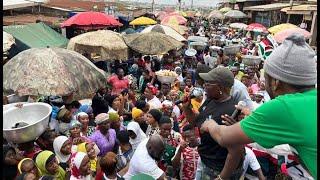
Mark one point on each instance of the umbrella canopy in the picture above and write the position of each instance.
(151, 43)
(52, 71)
(281, 27)
(8, 41)
(198, 39)
(165, 30)
(107, 44)
(128, 31)
(225, 9)
(282, 35)
(174, 19)
(143, 21)
(179, 28)
(191, 13)
(216, 14)
(87, 19)
(256, 27)
(238, 25)
(235, 14)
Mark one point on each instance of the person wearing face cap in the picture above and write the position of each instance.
(104, 136)
(291, 116)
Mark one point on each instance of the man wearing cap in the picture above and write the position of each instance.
(104, 137)
(215, 161)
(291, 116)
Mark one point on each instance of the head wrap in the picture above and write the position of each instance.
(93, 162)
(76, 160)
(153, 89)
(41, 161)
(80, 114)
(136, 113)
(135, 127)
(20, 164)
(86, 108)
(62, 113)
(114, 116)
(74, 123)
(100, 118)
(57, 145)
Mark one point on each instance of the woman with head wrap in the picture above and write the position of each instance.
(27, 165)
(138, 116)
(62, 148)
(88, 109)
(64, 117)
(47, 163)
(136, 134)
(75, 134)
(83, 118)
(150, 94)
(116, 122)
(90, 150)
(80, 166)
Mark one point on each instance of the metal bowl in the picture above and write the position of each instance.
(11, 105)
(35, 115)
(232, 49)
(250, 60)
(166, 79)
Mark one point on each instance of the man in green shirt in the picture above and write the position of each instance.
(291, 117)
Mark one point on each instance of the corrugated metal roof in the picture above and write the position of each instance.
(14, 4)
(267, 7)
(305, 7)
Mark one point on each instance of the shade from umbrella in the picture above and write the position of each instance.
(91, 19)
(281, 27)
(52, 71)
(8, 41)
(179, 28)
(282, 35)
(235, 14)
(165, 30)
(151, 43)
(107, 44)
(174, 19)
(216, 14)
(143, 21)
(256, 27)
(225, 9)
(238, 25)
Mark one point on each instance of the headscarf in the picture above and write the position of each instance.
(57, 145)
(135, 127)
(153, 89)
(113, 116)
(80, 114)
(20, 164)
(100, 118)
(76, 160)
(62, 113)
(93, 162)
(86, 108)
(41, 161)
(74, 123)
(136, 112)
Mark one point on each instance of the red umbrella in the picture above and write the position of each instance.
(282, 35)
(91, 19)
(256, 27)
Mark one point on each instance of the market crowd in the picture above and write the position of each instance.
(138, 127)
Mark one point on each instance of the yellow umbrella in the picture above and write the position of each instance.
(281, 27)
(225, 9)
(143, 21)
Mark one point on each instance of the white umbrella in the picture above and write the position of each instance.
(8, 41)
(235, 14)
(164, 30)
(238, 25)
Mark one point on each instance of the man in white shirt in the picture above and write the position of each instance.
(144, 159)
(251, 160)
(208, 59)
(152, 100)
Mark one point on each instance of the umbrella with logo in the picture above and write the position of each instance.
(52, 71)
(109, 45)
(256, 27)
(91, 20)
(165, 30)
(143, 21)
(151, 43)
(281, 27)
(235, 14)
(282, 35)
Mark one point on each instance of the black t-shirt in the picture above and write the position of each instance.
(211, 153)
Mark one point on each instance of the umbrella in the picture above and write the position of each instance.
(164, 30)
(91, 19)
(107, 44)
(160, 15)
(235, 14)
(281, 27)
(190, 13)
(216, 14)
(128, 31)
(143, 21)
(151, 43)
(52, 71)
(225, 9)
(179, 28)
(238, 25)
(256, 27)
(174, 19)
(282, 35)
(198, 14)
(8, 41)
(197, 39)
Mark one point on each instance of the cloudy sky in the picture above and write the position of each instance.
(210, 3)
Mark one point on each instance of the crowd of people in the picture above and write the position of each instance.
(138, 127)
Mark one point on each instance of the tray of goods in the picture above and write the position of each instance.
(166, 76)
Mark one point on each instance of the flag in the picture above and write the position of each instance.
(266, 46)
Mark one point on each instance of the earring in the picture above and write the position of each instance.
(220, 92)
